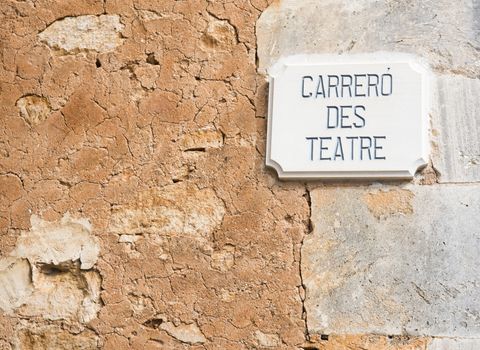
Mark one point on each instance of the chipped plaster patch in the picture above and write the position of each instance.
(220, 34)
(267, 340)
(83, 33)
(224, 259)
(58, 242)
(45, 276)
(179, 209)
(34, 109)
(202, 139)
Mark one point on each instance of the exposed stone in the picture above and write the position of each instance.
(179, 209)
(219, 35)
(61, 293)
(58, 242)
(128, 239)
(413, 274)
(267, 340)
(294, 27)
(187, 333)
(15, 283)
(44, 275)
(73, 34)
(34, 109)
(31, 337)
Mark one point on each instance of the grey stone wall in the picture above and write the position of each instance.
(396, 258)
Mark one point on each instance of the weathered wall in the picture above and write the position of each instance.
(395, 258)
(136, 211)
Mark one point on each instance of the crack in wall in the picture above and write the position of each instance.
(303, 291)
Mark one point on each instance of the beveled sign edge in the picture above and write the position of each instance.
(417, 63)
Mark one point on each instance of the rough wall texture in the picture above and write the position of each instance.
(393, 261)
(135, 208)
(398, 258)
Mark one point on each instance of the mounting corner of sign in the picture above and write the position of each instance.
(276, 166)
(277, 69)
(420, 64)
(419, 164)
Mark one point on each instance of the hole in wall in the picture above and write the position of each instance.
(53, 270)
(196, 149)
(153, 323)
(152, 60)
(98, 63)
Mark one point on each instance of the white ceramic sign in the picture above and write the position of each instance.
(358, 116)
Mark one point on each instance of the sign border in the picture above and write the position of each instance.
(415, 62)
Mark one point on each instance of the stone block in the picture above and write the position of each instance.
(389, 260)
(456, 123)
(443, 34)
